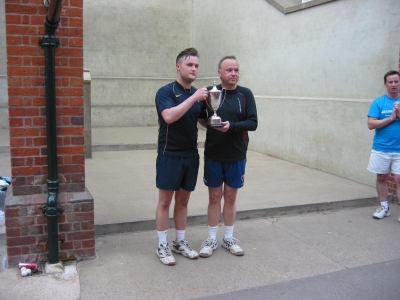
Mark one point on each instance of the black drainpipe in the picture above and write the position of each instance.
(49, 43)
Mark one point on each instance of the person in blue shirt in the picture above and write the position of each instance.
(179, 106)
(384, 118)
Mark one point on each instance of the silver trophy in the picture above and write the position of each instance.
(214, 97)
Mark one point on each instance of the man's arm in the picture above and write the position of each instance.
(374, 123)
(173, 114)
(250, 123)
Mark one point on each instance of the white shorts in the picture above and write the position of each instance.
(384, 162)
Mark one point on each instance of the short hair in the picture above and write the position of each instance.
(389, 73)
(187, 52)
(224, 58)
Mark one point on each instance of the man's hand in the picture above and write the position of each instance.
(396, 109)
(224, 128)
(200, 94)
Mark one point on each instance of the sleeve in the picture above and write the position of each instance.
(164, 99)
(250, 121)
(374, 110)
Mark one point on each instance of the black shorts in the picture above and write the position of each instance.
(173, 173)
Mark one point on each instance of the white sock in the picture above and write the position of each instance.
(162, 237)
(228, 232)
(212, 232)
(180, 235)
(385, 204)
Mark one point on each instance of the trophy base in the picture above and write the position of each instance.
(214, 122)
(215, 125)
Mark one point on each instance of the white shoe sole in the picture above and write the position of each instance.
(234, 253)
(171, 263)
(386, 215)
(185, 254)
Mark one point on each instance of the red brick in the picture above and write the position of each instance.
(76, 22)
(20, 221)
(35, 230)
(23, 91)
(21, 9)
(88, 225)
(82, 235)
(17, 132)
(75, 42)
(67, 246)
(13, 231)
(73, 11)
(13, 19)
(84, 216)
(77, 3)
(19, 241)
(13, 251)
(88, 244)
(24, 111)
(21, 50)
(24, 151)
(21, 29)
(14, 40)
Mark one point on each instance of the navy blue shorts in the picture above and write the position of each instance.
(216, 173)
(174, 173)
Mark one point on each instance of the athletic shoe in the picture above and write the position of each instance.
(381, 212)
(183, 248)
(165, 255)
(208, 247)
(232, 246)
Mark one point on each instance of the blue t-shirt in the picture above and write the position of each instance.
(178, 138)
(386, 139)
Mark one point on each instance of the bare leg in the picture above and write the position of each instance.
(397, 180)
(180, 209)
(214, 205)
(162, 210)
(230, 194)
(382, 187)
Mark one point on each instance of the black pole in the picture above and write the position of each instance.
(49, 42)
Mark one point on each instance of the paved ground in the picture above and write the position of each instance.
(307, 235)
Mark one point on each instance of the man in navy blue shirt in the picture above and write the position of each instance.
(225, 155)
(179, 106)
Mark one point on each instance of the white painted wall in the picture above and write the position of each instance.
(314, 72)
(130, 49)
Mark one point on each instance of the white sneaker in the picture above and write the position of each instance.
(165, 255)
(381, 212)
(232, 246)
(208, 247)
(183, 248)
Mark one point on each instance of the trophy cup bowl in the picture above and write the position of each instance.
(214, 96)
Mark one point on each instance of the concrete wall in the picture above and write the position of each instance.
(314, 73)
(130, 49)
(3, 70)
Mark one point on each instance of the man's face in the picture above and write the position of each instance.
(392, 84)
(187, 68)
(229, 73)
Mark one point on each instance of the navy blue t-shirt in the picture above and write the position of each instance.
(180, 137)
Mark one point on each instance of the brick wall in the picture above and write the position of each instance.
(25, 222)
